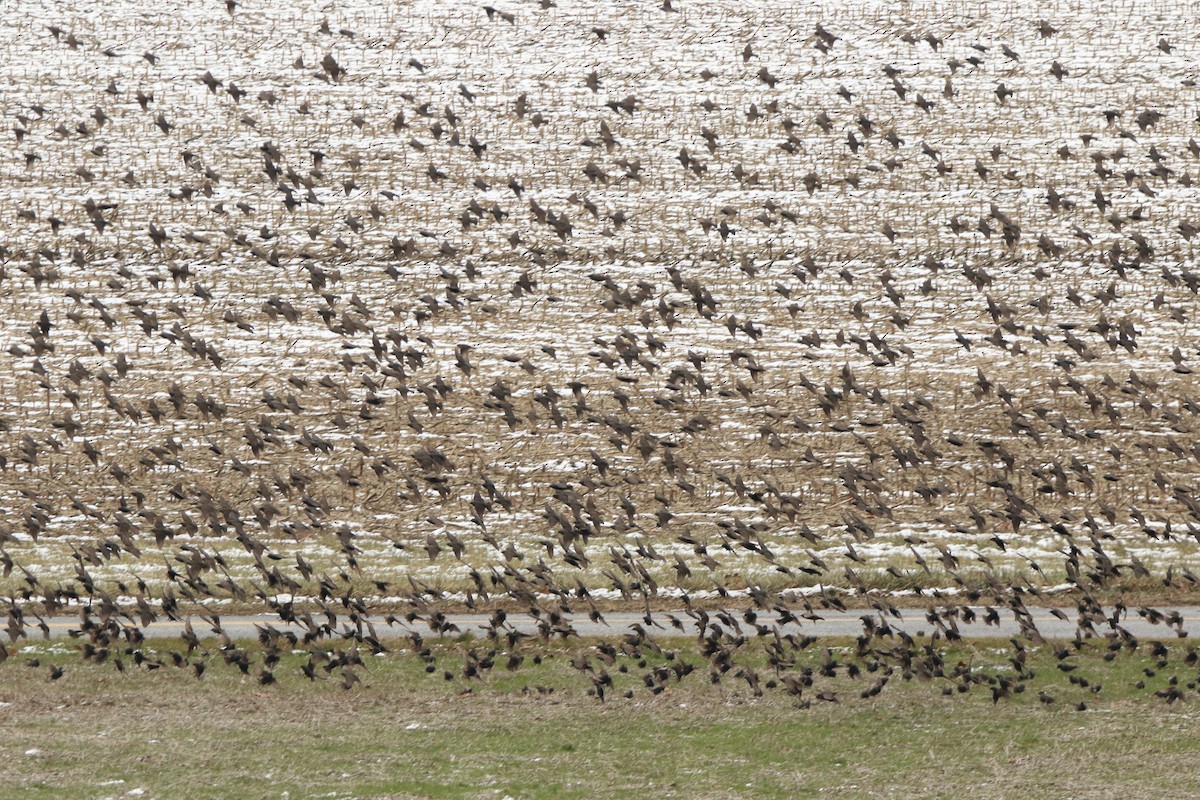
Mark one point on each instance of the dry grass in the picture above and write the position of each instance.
(404, 733)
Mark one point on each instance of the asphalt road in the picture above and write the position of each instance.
(830, 623)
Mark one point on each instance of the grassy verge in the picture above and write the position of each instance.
(537, 732)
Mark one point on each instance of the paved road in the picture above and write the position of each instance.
(832, 623)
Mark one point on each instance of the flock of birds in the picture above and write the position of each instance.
(529, 308)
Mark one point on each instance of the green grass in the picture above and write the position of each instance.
(406, 733)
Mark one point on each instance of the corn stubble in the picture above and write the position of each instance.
(531, 307)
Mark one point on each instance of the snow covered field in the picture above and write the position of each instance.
(727, 295)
